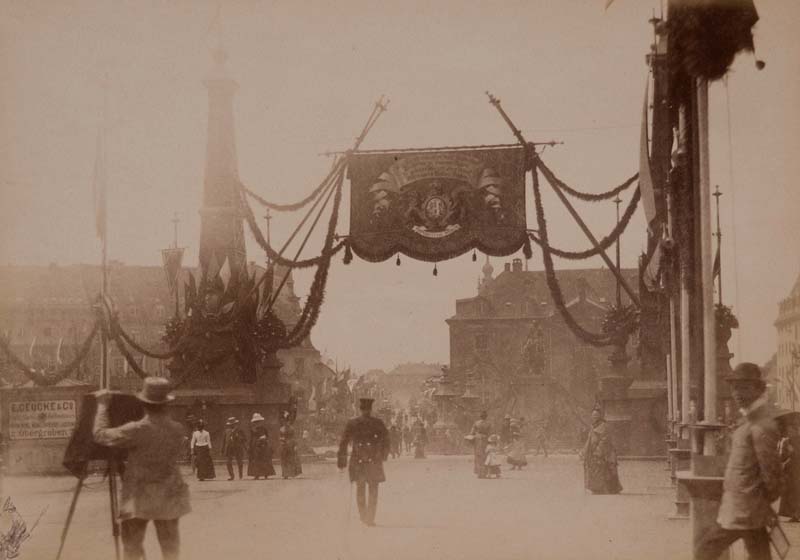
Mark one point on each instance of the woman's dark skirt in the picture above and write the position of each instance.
(203, 462)
(290, 461)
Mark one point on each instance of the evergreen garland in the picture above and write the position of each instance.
(45, 378)
(552, 282)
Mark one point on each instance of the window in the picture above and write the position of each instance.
(48, 331)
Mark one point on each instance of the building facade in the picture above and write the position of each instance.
(788, 355)
(45, 312)
(511, 352)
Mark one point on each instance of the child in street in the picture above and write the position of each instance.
(492, 457)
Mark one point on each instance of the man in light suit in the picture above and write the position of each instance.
(753, 477)
(152, 486)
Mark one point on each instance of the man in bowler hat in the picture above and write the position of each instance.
(752, 476)
(233, 446)
(152, 485)
(370, 441)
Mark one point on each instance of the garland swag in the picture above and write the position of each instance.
(589, 337)
(604, 243)
(587, 197)
(50, 377)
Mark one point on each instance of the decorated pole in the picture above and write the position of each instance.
(718, 258)
(706, 260)
(617, 202)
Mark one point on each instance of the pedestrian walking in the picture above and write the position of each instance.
(201, 451)
(152, 486)
(752, 476)
(541, 440)
(492, 457)
(600, 459)
(233, 446)
(505, 430)
(407, 438)
(516, 456)
(789, 452)
(479, 435)
(259, 456)
(290, 458)
(370, 448)
(395, 440)
(420, 440)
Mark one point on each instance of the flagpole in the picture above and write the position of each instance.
(105, 380)
(718, 235)
(175, 222)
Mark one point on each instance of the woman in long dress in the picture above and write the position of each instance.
(290, 460)
(600, 459)
(201, 450)
(259, 457)
(480, 439)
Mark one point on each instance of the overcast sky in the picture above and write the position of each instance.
(308, 75)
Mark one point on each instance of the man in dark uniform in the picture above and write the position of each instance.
(370, 440)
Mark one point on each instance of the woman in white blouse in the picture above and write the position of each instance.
(201, 452)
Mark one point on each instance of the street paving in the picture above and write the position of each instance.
(429, 509)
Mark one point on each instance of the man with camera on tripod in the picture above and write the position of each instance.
(152, 485)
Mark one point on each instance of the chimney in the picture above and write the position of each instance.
(507, 267)
(517, 265)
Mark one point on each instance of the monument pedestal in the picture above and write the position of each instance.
(704, 480)
(617, 409)
(269, 396)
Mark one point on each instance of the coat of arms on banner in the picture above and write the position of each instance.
(437, 204)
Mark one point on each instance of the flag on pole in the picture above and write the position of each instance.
(645, 176)
(717, 264)
(58, 350)
(312, 402)
(99, 186)
(225, 274)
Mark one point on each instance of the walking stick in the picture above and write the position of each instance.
(70, 513)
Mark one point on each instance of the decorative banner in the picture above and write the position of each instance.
(437, 204)
(172, 259)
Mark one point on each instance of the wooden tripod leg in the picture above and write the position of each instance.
(112, 491)
(70, 513)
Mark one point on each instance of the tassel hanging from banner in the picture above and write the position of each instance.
(435, 270)
(397, 262)
(474, 255)
(348, 254)
(526, 249)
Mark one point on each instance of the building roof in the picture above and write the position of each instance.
(420, 369)
(515, 287)
(133, 288)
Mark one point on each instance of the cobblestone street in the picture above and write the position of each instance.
(429, 509)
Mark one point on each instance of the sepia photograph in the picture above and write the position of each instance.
(413, 280)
